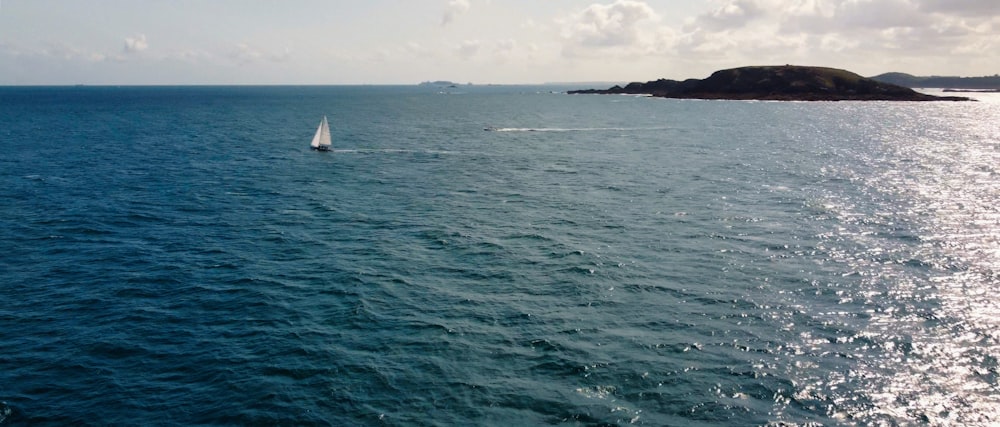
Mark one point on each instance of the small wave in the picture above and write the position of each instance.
(529, 236)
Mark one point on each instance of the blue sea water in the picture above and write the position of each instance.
(178, 256)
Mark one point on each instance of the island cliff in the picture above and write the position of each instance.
(777, 83)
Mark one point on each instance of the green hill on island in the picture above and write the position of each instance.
(777, 83)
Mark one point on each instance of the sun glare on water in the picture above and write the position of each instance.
(931, 263)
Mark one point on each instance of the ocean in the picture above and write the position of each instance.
(179, 256)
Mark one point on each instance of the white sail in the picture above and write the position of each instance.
(322, 137)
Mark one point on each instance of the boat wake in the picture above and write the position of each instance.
(389, 150)
(609, 129)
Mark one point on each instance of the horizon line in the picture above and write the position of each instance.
(296, 84)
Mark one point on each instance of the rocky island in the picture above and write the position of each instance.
(776, 83)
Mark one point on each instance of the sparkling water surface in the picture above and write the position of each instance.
(178, 256)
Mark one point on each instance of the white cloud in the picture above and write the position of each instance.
(837, 43)
(846, 33)
(468, 49)
(405, 52)
(851, 15)
(455, 8)
(191, 56)
(731, 14)
(244, 53)
(136, 44)
(624, 24)
(506, 46)
(961, 7)
(897, 28)
(505, 50)
(504, 41)
(284, 56)
(415, 49)
(70, 53)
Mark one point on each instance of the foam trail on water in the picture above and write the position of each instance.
(613, 129)
(387, 150)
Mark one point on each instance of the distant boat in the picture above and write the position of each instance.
(491, 128)
(321, 141)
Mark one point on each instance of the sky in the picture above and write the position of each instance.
(136, 42)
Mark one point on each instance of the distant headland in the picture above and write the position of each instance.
(443, 83)
(984, 83)
(776, 83)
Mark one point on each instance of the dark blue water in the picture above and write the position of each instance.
(178, 256)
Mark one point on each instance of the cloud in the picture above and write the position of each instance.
(505, 47)
(191, 56)
(961, 7)
(505, 50)
(872, 34)
(284, 56)
(455, 8)
(851, 15)
(136, 44)
(731, 14)
(245, 54)
(625, 25)
(414, 49)
(866, 33)
(468, 49)
(896, 28)
(61, 51)
(615, 24)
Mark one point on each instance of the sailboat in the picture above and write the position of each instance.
(321, 141)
